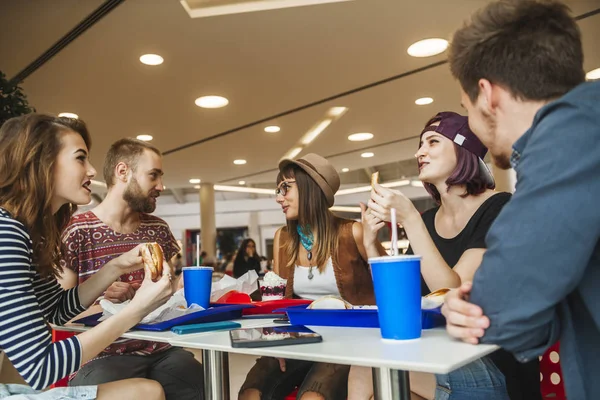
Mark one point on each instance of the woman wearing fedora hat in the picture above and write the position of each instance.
(319, 255)
(451, 240)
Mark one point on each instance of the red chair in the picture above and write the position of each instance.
(551, 382)
(57, 336)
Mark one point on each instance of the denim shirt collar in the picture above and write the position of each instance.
(521, 143)
(519, 147)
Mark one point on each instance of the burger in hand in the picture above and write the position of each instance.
(152, 255)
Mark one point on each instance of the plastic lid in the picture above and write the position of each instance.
(201, 267)
(388, 259)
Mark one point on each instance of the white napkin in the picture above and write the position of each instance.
(245, 284)
(175, 307)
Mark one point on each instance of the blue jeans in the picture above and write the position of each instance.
(478, 380)
(24, 392)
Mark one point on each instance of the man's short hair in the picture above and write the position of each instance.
(530, 47)
(126, 150)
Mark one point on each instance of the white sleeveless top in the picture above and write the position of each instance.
(322, 283)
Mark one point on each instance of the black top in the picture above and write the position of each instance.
(243, 265)
(522, 380)
(471, 237)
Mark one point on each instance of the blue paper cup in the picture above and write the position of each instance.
(197, 282)
(397, 282)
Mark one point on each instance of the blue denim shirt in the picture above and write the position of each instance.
(539, 281)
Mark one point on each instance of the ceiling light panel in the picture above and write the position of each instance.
(151, 59)
(68, 115)
(428, 47)
(423, 101)
(593, 75)
(360, 137)
(211, 101)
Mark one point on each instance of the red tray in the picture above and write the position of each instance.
(267, 307)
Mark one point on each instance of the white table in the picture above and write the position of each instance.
(434, 352)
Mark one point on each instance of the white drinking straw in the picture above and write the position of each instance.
(198, 250)
(394, 233)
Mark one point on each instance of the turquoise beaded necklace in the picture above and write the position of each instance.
(307, 239)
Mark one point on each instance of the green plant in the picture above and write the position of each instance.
(13, 101)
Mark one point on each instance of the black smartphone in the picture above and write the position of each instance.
(273, 336)
(259, 316)
(282, 320)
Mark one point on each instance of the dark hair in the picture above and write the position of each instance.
(531, 47)
(29, 146)
(313, 210)
(242, 262)
(125, 150)
(466, 173)
(241, 253)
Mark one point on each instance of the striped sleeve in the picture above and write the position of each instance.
(24, 333)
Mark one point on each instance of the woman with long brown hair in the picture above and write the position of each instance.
(319, 254)
(44, 174)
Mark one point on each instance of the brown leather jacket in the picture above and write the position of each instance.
(352, 273)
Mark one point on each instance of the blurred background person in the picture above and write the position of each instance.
(247, 259)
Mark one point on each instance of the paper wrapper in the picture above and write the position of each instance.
(175, 307)
(244, 284)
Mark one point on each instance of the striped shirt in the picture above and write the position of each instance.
(90, 244)
(27, 303)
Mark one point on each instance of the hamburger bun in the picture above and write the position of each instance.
(330, 303)
(152, 255)
(434, 299)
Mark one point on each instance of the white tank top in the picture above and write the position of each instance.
(322, 283)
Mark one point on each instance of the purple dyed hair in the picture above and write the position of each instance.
(465, 173)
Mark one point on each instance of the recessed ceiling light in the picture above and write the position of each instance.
(272, 129)
(239, 162)
(359, 137)
(428, 47)
(423, 101)
(211, 101)
(337, 111)
(197, 187)
(151, 59)
(242, 182)
(345, 169)
(593, 74)
(315, 131)
(293, 153)
(145, 138)
(367, 155)
(68, 115)
(195, 180)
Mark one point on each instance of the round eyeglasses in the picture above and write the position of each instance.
(283, 188)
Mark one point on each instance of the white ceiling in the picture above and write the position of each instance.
(264, 62)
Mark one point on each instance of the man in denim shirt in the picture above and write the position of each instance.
(520, 66)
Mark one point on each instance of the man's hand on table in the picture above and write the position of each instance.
(119, 292)
(464, 320)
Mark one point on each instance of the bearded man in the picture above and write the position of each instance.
(133, 174)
